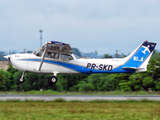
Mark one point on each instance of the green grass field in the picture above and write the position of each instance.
(50, 92)
(78, 110)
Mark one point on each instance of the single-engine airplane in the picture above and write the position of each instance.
(57, 58)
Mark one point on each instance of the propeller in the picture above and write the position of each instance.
(9, 58)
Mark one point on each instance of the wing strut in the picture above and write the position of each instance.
(43, 55)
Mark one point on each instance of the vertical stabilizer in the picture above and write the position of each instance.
(139, 58)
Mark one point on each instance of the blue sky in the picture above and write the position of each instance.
(102, 25)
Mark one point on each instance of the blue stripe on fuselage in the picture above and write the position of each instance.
(83, 69)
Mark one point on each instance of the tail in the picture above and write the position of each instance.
(140, 57)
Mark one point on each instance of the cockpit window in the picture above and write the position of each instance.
(66, 57)
(38, 52)
(52, 55)
(77, 57)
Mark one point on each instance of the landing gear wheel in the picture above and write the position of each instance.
(21, 79)
(52, 80)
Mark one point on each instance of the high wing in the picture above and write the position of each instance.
(54, 46)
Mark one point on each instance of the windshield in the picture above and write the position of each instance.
(38, 52)
(77, 57)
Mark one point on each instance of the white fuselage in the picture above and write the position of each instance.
(31, 62)
(57, 58)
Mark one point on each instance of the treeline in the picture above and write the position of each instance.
(149, 80)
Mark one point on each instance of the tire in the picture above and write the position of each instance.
(52, 80)
(21, 80)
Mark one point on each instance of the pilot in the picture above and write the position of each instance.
(49, 55)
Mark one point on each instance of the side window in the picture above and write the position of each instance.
(52, 55)
(55, 56)
(66, 57)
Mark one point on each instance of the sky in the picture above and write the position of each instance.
(89, 25)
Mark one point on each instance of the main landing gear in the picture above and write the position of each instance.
(52, 80)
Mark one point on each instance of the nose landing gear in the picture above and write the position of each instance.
(21, 79)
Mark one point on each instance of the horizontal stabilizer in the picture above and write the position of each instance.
(130, 68)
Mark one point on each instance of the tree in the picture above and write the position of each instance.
(107, 56)
(77, 52)
(2, 82)
(69, 82)
(1, 56)
(85, 86)
(101, 82)
(156, 55)
(122, 55)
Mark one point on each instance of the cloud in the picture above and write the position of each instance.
(99, 25)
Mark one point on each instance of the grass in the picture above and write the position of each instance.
(80, 110)
(50, 92)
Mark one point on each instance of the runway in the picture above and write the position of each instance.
(78, 97)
